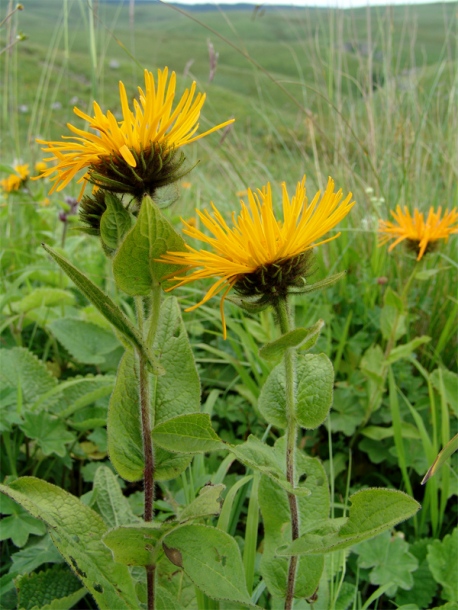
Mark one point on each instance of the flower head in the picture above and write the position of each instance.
(421, 236)
(137, 154)
(260, 255)
(14, 181)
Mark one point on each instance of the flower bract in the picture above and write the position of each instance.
(259, 255)
(136, 154)
(421, 234)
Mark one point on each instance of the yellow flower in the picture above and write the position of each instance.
(45, 202)
(260, 255)
(40, 167)
(420, 235)
(134, 154)
(22, 170)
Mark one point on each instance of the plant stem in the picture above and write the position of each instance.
(291, 438)
(148, 452)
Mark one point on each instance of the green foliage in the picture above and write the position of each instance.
(85, 341)
(187, 434)
(114, 223)
(135, 265)
(389, 560)
(54, 589)
(442, 559)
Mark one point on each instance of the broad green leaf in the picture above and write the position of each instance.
(135, 267)
(133, 545)
(315, 377)
(112, 505)
(191, 433)
(378, 433)
(164, 601)
(404, 351)
(426, 274)
(169, 465)
(372, 363)
(390, 560)
(177, 391)
(372, 512)
(442, 560)
(115, 222)
(268, 460)
(125, 444)
(448, 450)
(104, 304)
(85, 341)
(21, 370)
(19, 525)
(424, 587)
(211, 559)
(392, 322)
(34, 555)
(77, 532)
(56, 588)
(78, 393)
(392, 299)
(43, 297)
(49, 431)
(275, 512)
(296, 338)
(206, 504)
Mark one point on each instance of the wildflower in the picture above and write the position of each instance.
(421, 236)
(138, 154)
(45, 202)
(40, 167)
(14, 181)
(261, 256)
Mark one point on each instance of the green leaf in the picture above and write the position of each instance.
(49, 431)
(43, 297)
(164, 601)
(56, 588)
(424, 586)
(135, 267)
(390, 560)
(85, 341)
(404, 351)
(211, 559)
(109, 500)
(326, 283)
(19, 368)
(133, 545)
(78, 393)
(191, 433)
(115, 222)
(34, 555)
(77, 532)
(177, 391)
(442, 560)
(299, 337)
(206, 504)
(315, 377)
(19, 525)
(268, 460)
(104, 304)
(372, 364)
(446, 382)
(426, 274)
(169, 465)
(125, 445)
(448, 450)
(392, 321)
(275, 512)
(372, 511)
(314, 392)
(392, 299)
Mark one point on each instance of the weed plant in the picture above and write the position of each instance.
(367, 96)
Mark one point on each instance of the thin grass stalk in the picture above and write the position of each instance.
(251, 534)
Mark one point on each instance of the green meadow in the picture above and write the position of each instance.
(366, 96)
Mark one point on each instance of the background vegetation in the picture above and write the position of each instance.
(367, 96)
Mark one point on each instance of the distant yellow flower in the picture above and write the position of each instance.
(40, 167)
(45, 202)
(134, 155)
(186, 185)
(22, 170)
(420, 235)
(14, 181)
(260, 256)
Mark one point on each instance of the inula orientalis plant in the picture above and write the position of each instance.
(155, 422)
